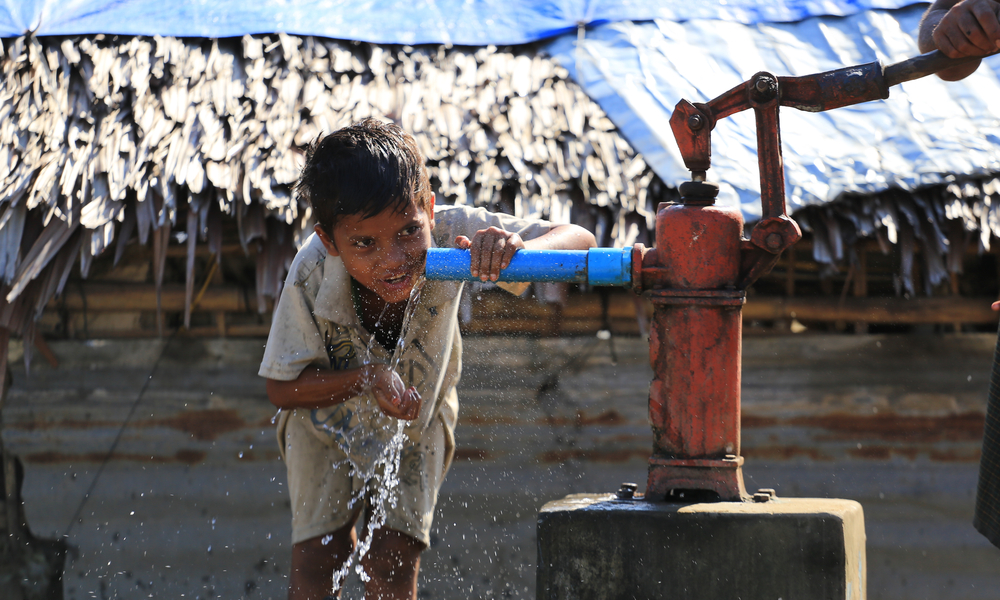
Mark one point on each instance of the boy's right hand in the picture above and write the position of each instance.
(393, 398)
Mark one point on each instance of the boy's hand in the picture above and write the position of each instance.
(491, 251)
(995, 305)
(390, 394)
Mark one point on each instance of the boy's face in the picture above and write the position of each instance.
(384, 253)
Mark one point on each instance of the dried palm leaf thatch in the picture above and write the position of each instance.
(106, 138)
(945, 221)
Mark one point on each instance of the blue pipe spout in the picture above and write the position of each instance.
(597, 266)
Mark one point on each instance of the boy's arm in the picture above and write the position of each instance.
(563, 237)
(492, 248)
(319, 388)
(960, 28)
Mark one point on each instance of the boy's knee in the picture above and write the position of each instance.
(324, 552)
(393, 555)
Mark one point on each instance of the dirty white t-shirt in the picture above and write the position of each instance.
(315, 324)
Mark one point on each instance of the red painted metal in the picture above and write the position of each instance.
(694, 348)
(698, 271)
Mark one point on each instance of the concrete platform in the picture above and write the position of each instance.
(597, 547)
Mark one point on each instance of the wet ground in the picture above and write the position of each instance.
(192, 504)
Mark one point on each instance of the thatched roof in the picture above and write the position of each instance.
(107, 138)
(944, 221)
(110, 139)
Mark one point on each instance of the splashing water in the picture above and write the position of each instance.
(380, 439)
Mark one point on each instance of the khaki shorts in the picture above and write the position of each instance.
(320, 486)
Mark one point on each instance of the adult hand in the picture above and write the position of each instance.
(995, 305)
(491, 250)
(393, 398)
(960, 28)
(969, 28)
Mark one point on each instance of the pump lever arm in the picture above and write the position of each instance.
(861, 83)
(692, 124)
(924, 65)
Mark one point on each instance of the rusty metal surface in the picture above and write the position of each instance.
(694, 399)
(694, 348)
(540, 418)
(813, 398)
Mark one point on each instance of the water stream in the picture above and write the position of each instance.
(374, 450)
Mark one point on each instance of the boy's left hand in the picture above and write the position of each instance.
(491, 251)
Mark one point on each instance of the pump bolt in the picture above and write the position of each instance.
(627, 491)
(774, 241)
(764, 495)
(696, 122)
(765, 88)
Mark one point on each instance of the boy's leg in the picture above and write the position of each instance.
(320, 488)
(314, 562)
(393, 564)
(394, 559)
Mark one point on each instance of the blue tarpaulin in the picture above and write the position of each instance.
(637, 58)
(465, 22)
(925, 132)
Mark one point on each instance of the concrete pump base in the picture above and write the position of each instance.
(594, 546)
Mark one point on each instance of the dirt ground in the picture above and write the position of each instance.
(193, 503)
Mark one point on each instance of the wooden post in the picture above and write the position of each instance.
(790, 272)
(861, 284)
(46, 351)
(641, 319)
(784, 325)
(840, 324)
(12, 503)
(955, 292)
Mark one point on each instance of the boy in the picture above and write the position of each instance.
(349, 284)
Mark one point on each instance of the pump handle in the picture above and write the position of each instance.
(924, 65)
(597, 266)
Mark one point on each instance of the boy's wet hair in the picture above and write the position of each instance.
(362, 170)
